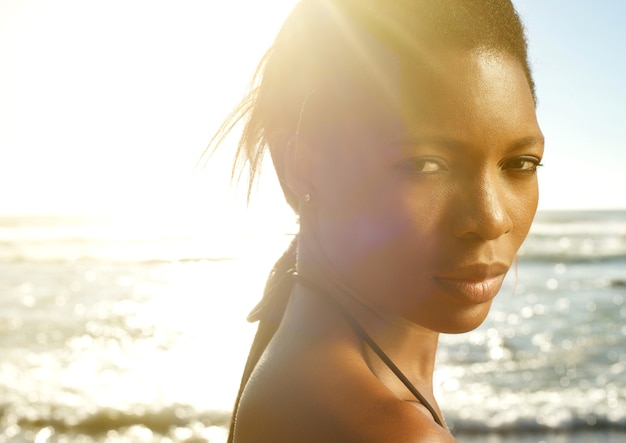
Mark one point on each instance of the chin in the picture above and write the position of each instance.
(471, 320)
(459, 322)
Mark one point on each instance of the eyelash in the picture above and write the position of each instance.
(416, 165)
(534, 161)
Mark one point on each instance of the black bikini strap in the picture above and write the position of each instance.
(358, 329)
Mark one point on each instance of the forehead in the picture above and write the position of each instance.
(458, 87)
(444, 88)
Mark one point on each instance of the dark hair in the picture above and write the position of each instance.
(318, 42)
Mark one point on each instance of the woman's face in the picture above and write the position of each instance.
(421, 212)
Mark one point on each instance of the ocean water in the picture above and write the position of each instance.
(113, 331)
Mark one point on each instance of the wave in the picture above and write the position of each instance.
(59, 241)
(555, 237)
(105, 420)
(18, 259)
(529, 426)
(565, 257)
(560, 245)
(159, 250)
(169, 421)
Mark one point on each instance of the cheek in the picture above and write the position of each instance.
(523, 209)
(354, 230)
(379, 230)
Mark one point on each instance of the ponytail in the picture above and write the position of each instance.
(269, 313)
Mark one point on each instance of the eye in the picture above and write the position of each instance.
(424, 165)
(523, 164)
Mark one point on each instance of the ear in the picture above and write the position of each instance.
(299, 164)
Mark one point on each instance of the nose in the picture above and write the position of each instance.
(482, 209)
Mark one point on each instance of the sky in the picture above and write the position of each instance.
(105, 107)
(578, 52)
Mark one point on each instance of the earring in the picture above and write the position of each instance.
(306, 197)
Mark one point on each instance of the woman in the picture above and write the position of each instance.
(404, 136)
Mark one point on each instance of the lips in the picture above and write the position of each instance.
(476, 284)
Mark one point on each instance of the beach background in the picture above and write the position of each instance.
(113, 332)
(126, 272)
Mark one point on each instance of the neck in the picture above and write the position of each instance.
(418, 358)
(410, 346)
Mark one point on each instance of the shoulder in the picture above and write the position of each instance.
(326, 393)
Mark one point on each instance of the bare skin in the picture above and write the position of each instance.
(314, 385)
(413, 224)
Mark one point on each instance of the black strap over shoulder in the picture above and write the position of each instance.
(358, 329)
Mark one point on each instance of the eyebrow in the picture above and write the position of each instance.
(424, 140)
(452, 143)
(528, 141)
